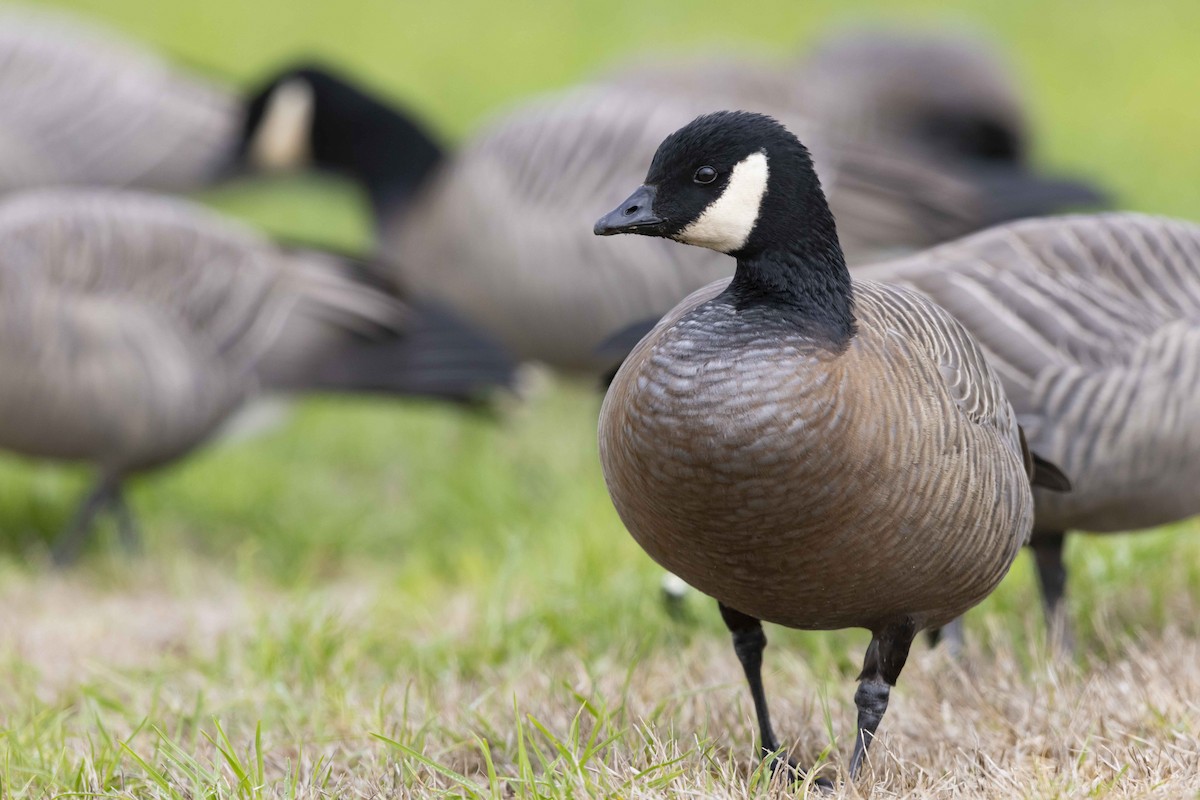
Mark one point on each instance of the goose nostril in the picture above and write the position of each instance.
(630, 210)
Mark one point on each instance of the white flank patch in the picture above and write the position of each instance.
(727, 222)
(674, 587)
(283, 139)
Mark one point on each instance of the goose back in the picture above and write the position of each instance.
(738, 451)
(753, 82)
(1093, 324)
(81, 106)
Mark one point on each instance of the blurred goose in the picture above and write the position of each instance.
(132, 326)
(1093, 324)
(526, 184)
(81, 105)
(809, 450)
(936, 94)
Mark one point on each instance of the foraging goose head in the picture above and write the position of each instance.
(309, 116)
(741, 183)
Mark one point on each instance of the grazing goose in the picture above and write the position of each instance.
(527, 182)
(80, 105)
(310, 116)
(809, 450)
(935, 94)
(1093, 325)
(132, 326)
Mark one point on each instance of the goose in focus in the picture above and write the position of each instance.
(809, 450)
(81, 105)
(132, 326)
(1093, 325)
(527, 183)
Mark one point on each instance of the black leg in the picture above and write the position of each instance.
(933, 637)
(749, 642)
(885, 658)
(127, 528)
(951, 633)
(70, 542)
(1052, 577)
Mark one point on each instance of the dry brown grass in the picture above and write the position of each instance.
(167, 669)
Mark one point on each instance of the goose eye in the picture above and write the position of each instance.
(705, 175)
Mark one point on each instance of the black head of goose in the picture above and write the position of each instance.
(809, 450)
(312, 116)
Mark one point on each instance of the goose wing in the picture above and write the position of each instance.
(1093, 324)
(910, 319)
(105, 380)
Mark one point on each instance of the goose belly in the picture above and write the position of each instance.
(788, 501)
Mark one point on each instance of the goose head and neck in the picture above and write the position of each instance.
(742, 184)
(309, 116)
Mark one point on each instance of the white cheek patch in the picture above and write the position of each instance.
(282, 141)
(727, 222)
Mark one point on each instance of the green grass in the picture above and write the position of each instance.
(399, 598)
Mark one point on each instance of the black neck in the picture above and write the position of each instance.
(390, 156)
(384, 148)
(803, 274)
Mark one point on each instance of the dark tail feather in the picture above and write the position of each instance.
(437, 355)
(1041, 472)
(358, 265)
(1048, 475)
(1013, 193)
(615, 348)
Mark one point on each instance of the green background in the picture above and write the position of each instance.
(508, 518)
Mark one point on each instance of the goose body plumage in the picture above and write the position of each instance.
(133, 324)
(79, 105)
(819, 489)
(1093, 324)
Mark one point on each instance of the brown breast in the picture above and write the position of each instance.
(809, 488)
